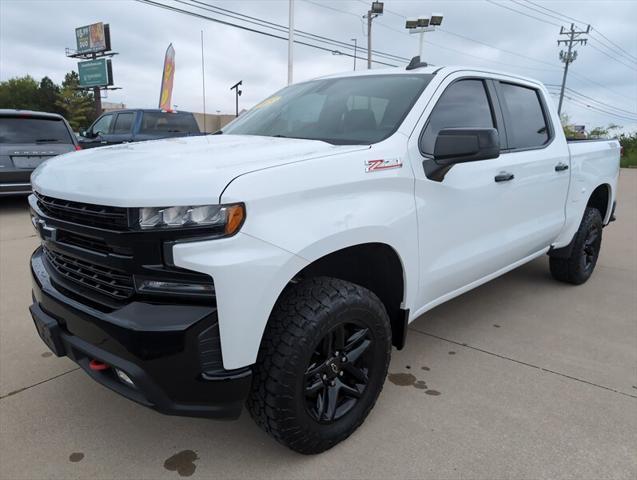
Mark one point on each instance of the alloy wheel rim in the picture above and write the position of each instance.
(591, 248)
(338, 372)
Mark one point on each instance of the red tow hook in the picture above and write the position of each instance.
(98, 366)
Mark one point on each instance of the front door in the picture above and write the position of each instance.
(464, 218)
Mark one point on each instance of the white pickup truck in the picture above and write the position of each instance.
(277, 262)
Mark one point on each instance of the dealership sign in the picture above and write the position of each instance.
(93, 38)
(95, 73)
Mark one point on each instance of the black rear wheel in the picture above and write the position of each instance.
(579, 265)
(322, 364)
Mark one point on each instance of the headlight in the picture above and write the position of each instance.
(228, 218)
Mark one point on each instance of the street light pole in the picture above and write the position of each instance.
(290, 41)
(355, 44)
(376, 10)
(423, 25)
(237, 93)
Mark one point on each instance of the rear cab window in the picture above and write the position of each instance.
(525, 117)
(166, 122)
(18, 129)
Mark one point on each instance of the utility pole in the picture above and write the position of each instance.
(375, 11)
(203, 84)
(570, 55)
(355, 45)
(290, 41)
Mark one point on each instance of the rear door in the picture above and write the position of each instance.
(540, 161)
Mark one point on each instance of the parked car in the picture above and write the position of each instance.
(136, 125)
(27, 139)
(279, 261)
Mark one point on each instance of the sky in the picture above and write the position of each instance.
(518, 36)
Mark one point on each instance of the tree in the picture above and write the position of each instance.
(77, 104)
(47, 96)
(19, 92)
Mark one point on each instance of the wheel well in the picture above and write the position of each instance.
(375, 266)
(600, 199)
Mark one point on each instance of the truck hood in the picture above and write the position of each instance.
(177, 171)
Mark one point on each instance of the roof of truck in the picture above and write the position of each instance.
(429, 69)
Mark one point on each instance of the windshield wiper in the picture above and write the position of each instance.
(47, 140)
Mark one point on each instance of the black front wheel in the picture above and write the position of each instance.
(322, 364)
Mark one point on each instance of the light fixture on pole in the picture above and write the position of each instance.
(237, 94)
(423, 24)
(376, 10)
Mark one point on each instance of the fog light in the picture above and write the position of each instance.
(175, 288)
(123, 376)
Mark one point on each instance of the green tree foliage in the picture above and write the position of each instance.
(20, 92)
(77, 104)
(629, 143)
(47, 96)
(26, 94)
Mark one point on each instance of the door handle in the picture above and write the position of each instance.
(504, 177)
(561, 167)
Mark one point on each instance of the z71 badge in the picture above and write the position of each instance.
(378, 165)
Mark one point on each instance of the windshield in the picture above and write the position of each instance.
(351, 110)
(23, 129)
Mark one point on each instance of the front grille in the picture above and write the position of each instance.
(113, 218)
(107, 281)
(91, 243)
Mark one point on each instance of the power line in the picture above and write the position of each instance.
(242, 27)
(575, 92)
(612, 57)
(281, 28)
(525, 14)
(598, 110)
(595, 31)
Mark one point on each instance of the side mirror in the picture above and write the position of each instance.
(460, 145)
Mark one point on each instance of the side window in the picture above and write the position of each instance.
(124, 123)
(525, 121)
(464, 104)
(103, 125)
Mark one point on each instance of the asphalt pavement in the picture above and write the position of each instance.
(521, 378)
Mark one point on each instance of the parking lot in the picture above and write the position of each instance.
(521, 378)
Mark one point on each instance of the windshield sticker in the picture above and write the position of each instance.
(378, 165)
(268, 101)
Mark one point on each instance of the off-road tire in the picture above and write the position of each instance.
(580, 264)
(305, 314)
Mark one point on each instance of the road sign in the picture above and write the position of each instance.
(95, 73)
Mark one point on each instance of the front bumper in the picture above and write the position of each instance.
(170, 352)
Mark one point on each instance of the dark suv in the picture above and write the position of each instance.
(27, 139)
(137, 125)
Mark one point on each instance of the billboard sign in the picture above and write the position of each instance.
(95, 73)
(166, 93)
(93, 38)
